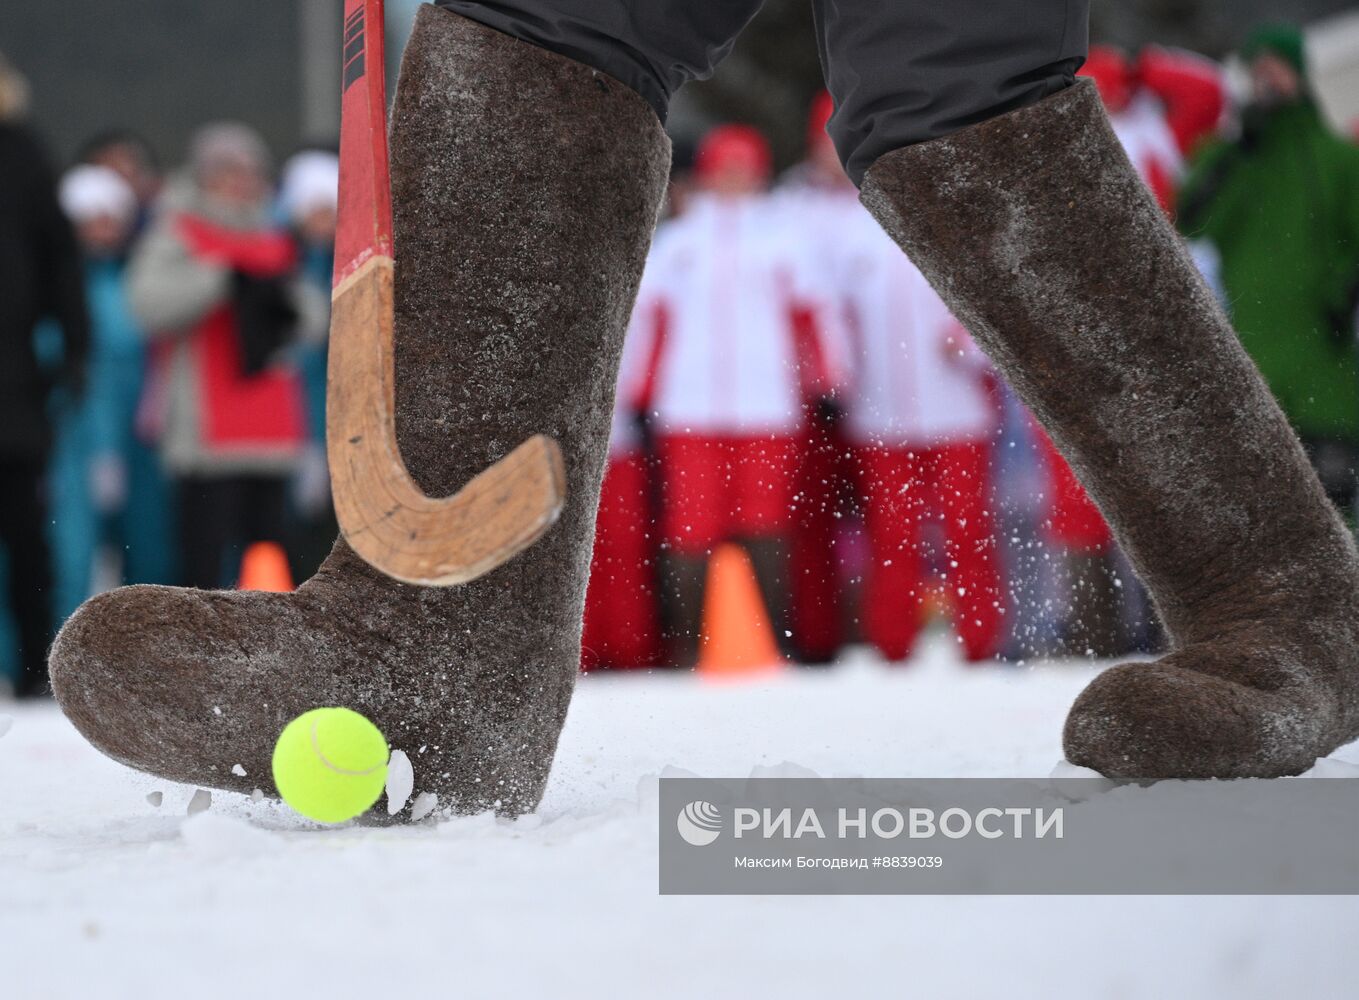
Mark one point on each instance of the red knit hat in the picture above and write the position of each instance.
(1112, 72)
(732, 145)
(817, 117)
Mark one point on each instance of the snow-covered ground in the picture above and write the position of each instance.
(104, 895)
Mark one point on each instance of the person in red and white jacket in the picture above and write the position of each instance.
(1162, 105)
(922, 420)
(215, 286)
(622, 614)
(735, 351)
(817, 203)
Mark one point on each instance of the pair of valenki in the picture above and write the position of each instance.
(524, 209)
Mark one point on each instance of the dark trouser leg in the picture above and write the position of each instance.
(264, 514)
(223, 514)
(769, 560)
(23, 532)
(1094, 625)
(901, 71)
(653, 46)
(147, 521)
(685, 578)
(208, 524)
(904, 71)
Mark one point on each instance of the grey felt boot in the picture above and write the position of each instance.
(525, 187)
(1040, 236)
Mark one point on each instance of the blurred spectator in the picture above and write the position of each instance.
(308, 202)
(216, 287)
(622, 613)
(1092, 618)
(817, 206)
(1031, 565)
(40, 279)
(734, 353)
(1163, 106)
(1281, 204)
(106, 481)
(922, 421)
(132, 157)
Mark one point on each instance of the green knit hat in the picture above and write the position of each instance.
(1283, 40)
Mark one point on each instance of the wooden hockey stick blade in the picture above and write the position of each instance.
(383, 515)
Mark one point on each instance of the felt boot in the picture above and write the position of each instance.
(1039, 235)
(526, 188)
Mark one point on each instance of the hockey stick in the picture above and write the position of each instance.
(383, 514)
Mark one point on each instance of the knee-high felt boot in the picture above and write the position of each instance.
(525, 188)
(1040, 236)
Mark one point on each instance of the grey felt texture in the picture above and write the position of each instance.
(526, 188)
(1039, 235)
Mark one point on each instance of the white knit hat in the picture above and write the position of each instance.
(91, 192)
(311, 181)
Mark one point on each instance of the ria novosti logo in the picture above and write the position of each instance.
(699, 823)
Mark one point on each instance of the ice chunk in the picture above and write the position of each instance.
(200, 803)
(237, 770)
(400, 781)
(155, 798)
(425, 804)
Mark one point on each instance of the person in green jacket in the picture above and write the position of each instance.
(1281, 204)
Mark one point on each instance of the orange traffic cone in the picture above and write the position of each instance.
(737, 636)
(265, 567)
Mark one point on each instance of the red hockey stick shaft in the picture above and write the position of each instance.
(364, 227)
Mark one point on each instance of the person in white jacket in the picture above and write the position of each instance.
(734, 352)
(922, 421)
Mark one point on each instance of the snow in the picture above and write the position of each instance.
(400, 781)
(103, 894)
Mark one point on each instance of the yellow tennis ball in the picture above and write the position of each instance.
(330, 764)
